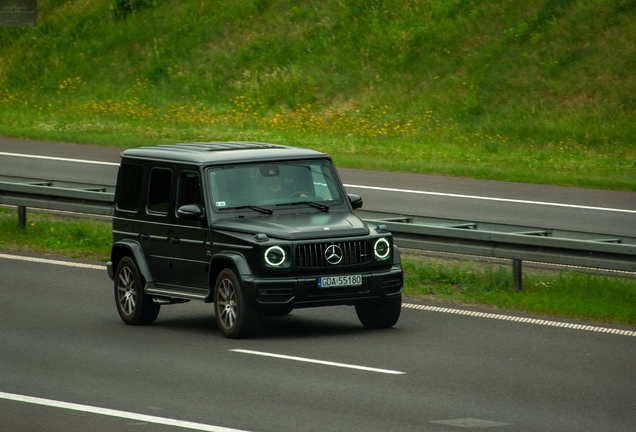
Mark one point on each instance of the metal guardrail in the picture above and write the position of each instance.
(514, 242)
(55, 195)
(517, 243)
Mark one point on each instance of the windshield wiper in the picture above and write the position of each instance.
(321, 207)
(251, 207)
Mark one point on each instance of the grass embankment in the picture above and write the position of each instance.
(536, 91)
(539, 91)
(566, 294)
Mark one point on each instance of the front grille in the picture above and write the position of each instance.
(313, 255)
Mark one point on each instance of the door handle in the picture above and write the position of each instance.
(175, 240)
(145, 236)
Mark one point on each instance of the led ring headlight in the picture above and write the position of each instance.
(275, 256)
(382, 248)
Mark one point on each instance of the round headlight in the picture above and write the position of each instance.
(382, 248)
(275, 256)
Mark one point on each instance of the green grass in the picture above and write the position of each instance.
(565, 294)
(537, 91)
(67, 237)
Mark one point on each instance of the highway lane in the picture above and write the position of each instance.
(569, 208)
(62, 340)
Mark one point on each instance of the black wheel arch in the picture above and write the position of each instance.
(223, 260)
(132, 249)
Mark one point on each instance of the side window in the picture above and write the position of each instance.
(159, 193)
(129, 184)
(189, 189)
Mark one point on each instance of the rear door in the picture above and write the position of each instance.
(155, 227)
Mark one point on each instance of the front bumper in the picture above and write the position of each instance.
(304, 292)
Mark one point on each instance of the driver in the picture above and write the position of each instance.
(276, 188)
(274, 185)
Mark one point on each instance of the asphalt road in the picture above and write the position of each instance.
(565, 208)
(68, 364)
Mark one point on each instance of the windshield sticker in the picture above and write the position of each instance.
(220, 204)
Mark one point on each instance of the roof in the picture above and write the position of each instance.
(216, 152)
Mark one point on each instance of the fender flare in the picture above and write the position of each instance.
(237, 259)
(397, 259)
(223, 260)
(133, 249)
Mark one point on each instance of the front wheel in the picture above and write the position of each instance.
(235, 317)
(135, 307)
(379, 313)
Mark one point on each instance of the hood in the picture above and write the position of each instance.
(294, 226)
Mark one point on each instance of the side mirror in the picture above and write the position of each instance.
(355, 200)
(190, 212)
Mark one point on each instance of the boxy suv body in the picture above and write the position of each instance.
(253, 228)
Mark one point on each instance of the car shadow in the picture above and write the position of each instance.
(300, 326)
(294, 325)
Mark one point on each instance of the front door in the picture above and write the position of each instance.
(189, 239)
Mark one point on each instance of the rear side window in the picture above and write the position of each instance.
(159, 193)
(129, 187)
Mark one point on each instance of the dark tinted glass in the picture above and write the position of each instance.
(159, 193)
(189, 189)
(129, 187)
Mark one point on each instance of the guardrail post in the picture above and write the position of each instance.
(516, 274)
(22, 217)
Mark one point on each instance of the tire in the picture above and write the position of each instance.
(236, 318)
(135, 307)
(379, 313)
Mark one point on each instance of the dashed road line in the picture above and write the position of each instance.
(520, 319)
(321, 362)
(116, 413)
(52, 261)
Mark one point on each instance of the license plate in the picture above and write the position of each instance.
(339, 281)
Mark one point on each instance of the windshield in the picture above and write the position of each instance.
(274, 184)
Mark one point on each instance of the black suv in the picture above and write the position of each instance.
(253, 228)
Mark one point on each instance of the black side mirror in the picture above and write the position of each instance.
(190, 212)
(355, 200)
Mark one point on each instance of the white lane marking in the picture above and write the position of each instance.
(450, 195)
(404, 305)
(59, 159)
(116, 413)
(322, 362)
(54, 262)
(521, 319)
(384, 189)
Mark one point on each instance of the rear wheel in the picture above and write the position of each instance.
(135, 307)
(379, 313)
(235, 317)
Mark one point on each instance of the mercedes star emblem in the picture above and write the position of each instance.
(333, 254)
